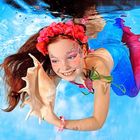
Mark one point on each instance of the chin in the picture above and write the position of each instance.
(68, 78)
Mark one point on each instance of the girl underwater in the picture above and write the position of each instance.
(60, 51)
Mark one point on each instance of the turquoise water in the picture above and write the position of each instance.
(123, 118)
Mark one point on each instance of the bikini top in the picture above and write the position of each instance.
(90, 77)
(93, 74)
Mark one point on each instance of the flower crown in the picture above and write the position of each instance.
(67, 29)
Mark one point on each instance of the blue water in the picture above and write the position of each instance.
(123, 118)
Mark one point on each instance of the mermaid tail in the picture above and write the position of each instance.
(124, 82)
(133, 43)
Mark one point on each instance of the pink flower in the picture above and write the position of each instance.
(89, 84)
(68, 28)
(49, 32)
(84, 20)
(39, 39)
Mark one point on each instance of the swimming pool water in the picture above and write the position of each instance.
(123, 118)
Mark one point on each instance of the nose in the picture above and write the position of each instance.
(65, 65)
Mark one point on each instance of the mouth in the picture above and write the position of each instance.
(68, 73)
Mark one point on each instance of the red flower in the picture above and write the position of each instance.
(68, 28)
(41, 47)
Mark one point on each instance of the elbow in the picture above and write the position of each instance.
(99, 124)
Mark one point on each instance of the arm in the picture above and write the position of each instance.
(101, 105)
(40, 88)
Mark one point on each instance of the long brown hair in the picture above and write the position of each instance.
(15, 67)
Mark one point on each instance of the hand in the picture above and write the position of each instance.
(40, 89)
(49, 115)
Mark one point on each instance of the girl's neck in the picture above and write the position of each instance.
(79, 80)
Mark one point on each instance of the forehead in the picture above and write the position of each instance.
(63, 47)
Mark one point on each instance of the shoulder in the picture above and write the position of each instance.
(101, 60)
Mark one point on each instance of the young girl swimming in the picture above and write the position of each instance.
(60, 51)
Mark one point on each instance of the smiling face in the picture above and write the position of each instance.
(67, 59)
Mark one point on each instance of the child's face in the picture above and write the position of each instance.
(66, 58)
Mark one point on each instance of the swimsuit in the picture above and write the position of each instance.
(122, 73)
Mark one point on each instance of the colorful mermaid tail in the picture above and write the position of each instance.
(133, 43)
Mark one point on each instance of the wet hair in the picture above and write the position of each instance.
(15, 67)
(59, 8)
